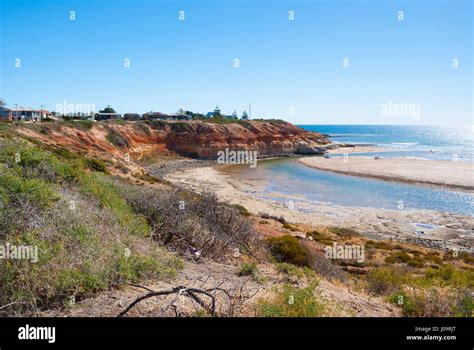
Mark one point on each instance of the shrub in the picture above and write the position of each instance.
(142, 127)
(433, 302)
(290, 270)
(156, 124)
(464, 303)
(324, 267)
(116, 121)
(203, 224)
(464, 256)
(96, 164)
(107, 192)
(449, 276)
(241, 209)
(291, 301)
(319, 237)
(344, 232)
(180, 127)
(248, 269)
(288, 249)
(116, 138)
(433, 257)
(289, 227)
(385, 280)
(379, 245)
(293, 273)
(32, 162)
(403, 257)
(83, 125)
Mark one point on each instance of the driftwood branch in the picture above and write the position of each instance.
(205, 292)
(189, 292)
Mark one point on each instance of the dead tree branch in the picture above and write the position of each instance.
(189, 292)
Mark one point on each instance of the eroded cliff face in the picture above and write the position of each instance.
(205, 140)
(196, 139)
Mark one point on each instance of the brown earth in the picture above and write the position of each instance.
(192, 138)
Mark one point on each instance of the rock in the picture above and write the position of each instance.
(306, 149)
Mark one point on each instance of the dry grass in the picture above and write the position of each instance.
(193, 224)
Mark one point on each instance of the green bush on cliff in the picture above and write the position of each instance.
(288, 249)
(116, 138)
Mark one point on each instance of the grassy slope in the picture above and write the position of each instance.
(88, 237)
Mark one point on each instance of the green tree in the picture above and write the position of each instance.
(217, 112)
(245, 116)
(108, 109)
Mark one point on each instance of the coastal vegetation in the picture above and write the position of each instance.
(88, 238)
(287, 249)
(291, 301)
(98, 228)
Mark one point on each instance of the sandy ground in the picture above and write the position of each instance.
(435, 172)
(451, 231)
(340, 300)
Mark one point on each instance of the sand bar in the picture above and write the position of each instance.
(451, 174)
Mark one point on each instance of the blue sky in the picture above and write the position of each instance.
(289, 69)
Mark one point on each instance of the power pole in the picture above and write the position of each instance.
(41, 113)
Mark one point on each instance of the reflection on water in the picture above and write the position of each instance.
(287, 177)
(423, 141)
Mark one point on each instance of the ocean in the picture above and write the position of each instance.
(431, 142)
(287, 179)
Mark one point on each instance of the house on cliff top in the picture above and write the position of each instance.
(22, 113)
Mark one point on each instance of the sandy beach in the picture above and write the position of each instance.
(434, 172)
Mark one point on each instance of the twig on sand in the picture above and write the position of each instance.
(189, 292)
